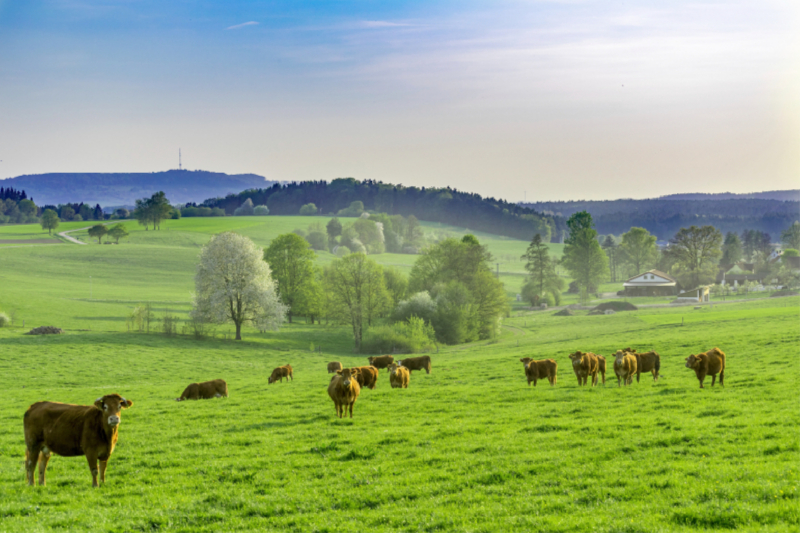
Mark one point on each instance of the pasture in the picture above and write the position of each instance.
(469, 447)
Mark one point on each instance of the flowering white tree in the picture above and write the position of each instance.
(233, 283)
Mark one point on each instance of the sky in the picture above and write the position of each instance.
(536, 100)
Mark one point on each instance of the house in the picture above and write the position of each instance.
(699, 295)
(650, 283)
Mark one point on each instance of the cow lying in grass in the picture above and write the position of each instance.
(624, 367)
(536, 370)
(586, 364)
(334, 366)
(281, 372)
(710, 362)
(216, 388)
(344, 390)
(367, 376)
(417, 363)
(72, 430)
(398, 376)
(381, 361)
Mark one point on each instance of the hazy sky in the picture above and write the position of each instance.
(550, 99)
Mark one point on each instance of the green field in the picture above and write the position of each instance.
(469, 447)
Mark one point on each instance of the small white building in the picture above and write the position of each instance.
(698, 295)
(651, 283)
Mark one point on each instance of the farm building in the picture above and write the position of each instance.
(651, 283)
(699, 295)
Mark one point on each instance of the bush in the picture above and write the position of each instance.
(170, 324)
(261, 210)
(4, 320)
(318, 240)
(341, 251)
(616, 306)
(411, 336)
(420, 305)
(245, 210)
(300, 232)
(308, 210)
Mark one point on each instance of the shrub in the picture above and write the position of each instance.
(245, 210)
(261, 210)
(170, 324)
(300, 232)
(341, 251)
(411, 336)
(420, 305)
(616, 305)
(318, 240)
(4, 320)
(308, 210)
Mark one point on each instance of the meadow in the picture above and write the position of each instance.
(469, 447)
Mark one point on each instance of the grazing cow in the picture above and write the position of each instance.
(417, 363)
(535, 370)
(367, 376)
(381, 361)
(585, 364)
(711, 362)
(216, 388)
(344, 390)
(281, 372)
(334, 366)
(624, 367)
(601, 367)
(398, 376)
(72, 430)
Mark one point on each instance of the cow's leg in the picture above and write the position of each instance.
(351, 408)
(44, 457)
(701, 378)
(721, 378)
(91, 458)
(103, 465)
(618, 381)
(713, 379)
(31, 458)
(637, 376)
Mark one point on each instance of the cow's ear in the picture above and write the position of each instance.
(99, 403)
(127, 403)
(339, 371)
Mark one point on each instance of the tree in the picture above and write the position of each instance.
(396, 283)
(261, 210)
(49, 221)
(292, 264)
(790, 237)
(86, 212)
(152, 210)
(67, 213)
(334, 229)
(611, 248)
(695, 252)
(731, 249)
(234, 284)
(308, 210)
(97, 231)
(98, 212)
(117, 232)
(356, 292)
(638, 249)
(121, 212)
(245, 210)
(542, 269)
(583, 257)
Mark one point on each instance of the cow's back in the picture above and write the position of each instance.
(192, 392)
(715, 360)
(59, 426)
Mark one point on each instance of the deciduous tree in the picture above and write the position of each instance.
(292, 263)
(97, 232)
(638, 249)
(117, 232)
(49, 220)
(695, 252)
(583, 257)
(790, 237)
(731, 249)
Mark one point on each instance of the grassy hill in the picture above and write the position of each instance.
(469, 447)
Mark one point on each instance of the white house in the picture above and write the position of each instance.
(651, 283)
(699, 295)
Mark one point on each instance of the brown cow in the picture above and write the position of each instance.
(417, 363)
(281, 372)
(535, 370)
(646, 362)
(344, 390)
(711, 362)
(381, 361)
(367, 376)
(216, 388)
(334, 366)
(398, 376)
(601, 367)
(72, 430)
(624, 367)
(585, 364)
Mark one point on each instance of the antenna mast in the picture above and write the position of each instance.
(180, 167)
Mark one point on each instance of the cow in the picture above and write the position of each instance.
(381, 361)
(344, 390)
(416, 363)
(281, 372)
(216, 388)
(535, 370)
(585, 364)
(367, 376)
(334, 366)
(398, 376)
(710, 362)
(646, 362)
(624, 367)
(72, 430)
(601, 367)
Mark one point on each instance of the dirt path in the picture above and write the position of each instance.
(73, 239)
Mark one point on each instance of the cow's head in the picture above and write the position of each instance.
(692, 361)
(112, 406)
(576, 358)
(349, 375)
(526, 361)
(393, 368)
(371, 360)
(620, 355)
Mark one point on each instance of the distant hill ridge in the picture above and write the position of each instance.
(123, 188)
(791, 195)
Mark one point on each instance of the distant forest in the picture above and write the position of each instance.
(447, 205)
(664, 217)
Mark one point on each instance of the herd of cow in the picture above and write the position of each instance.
(92, 430)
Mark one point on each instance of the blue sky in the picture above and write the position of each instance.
(548, 100)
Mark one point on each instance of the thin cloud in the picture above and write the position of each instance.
(381, 24)
(243, 25)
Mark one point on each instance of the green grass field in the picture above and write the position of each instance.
(469, 447)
